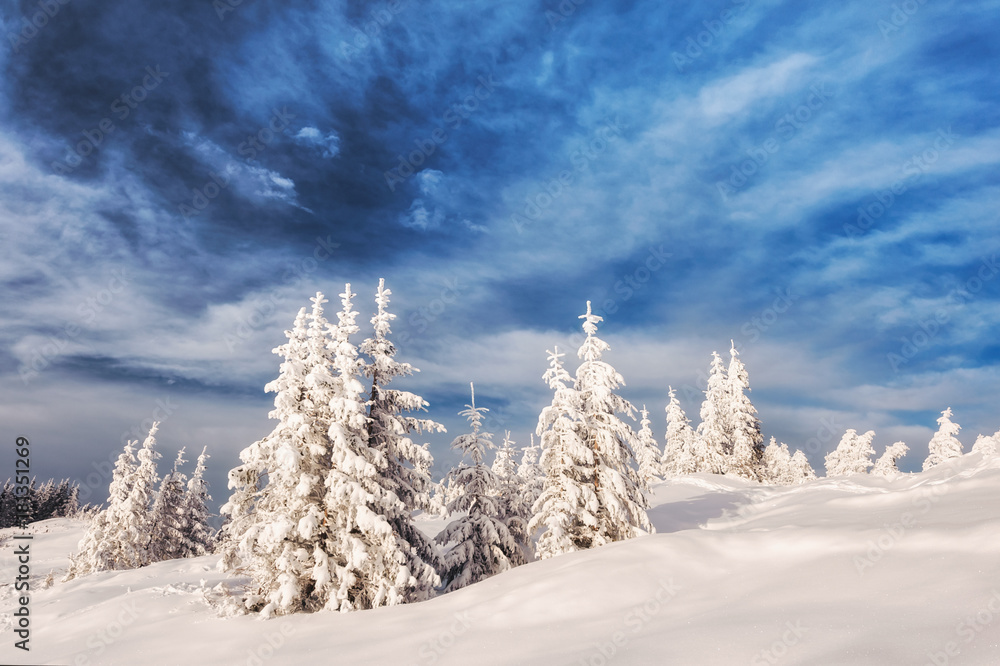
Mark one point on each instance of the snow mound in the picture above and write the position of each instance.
(848, 570)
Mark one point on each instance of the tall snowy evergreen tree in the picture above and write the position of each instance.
(622, 505)
(483, 546)
(565, 512)
(714, 432)
(886, 464)
(513, 503)
(282, 547)
(407, 472)
(168, 516)
(372, 565)
(853, 454)
(944, 445)
(745, 435)
(142, 493)
(647, 451)
(120, 536)
(681, 441)
(198, 536)
(531, 475)
(242, 528)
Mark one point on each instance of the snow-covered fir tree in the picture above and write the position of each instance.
(142, 493)
(282, 548)
(565, 513)
(407, 471)
(776, 465)
(622, 505)
(371, 563)
(197, 533)
(647, 451)
(168, 515)
(531, 475)
(800, 468)
(680, 441)
(483, 545)
(745, 436)
(944, 445)
(714, 443)
(986, 444)
(243, 525)
(120, 536)
(513, 504)
(886, 464)
(853, 454)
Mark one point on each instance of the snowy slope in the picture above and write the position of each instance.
(852, 570)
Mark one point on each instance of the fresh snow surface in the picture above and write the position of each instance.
(850, 570)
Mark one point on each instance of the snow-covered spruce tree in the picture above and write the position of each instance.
(513, 505)
(198, 536)
(142, 493)
(483, 546)
(986, 444)
(407, 471)
(745, 435)
(621, 503)
(886, 464)
(853, 454)
(775, 467)
(800, 468)
(531, 476)
(372, 564)
(681, 440)
(565, 512)
(168, 515)
(120, 536)
(714, 443)
(647, 451)
(282, 545)
(944, 445)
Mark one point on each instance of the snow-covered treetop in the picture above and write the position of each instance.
(592, 347)
(476, 443)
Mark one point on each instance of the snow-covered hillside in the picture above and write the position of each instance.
(854, 570)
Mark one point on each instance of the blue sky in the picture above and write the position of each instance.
(816, 181)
